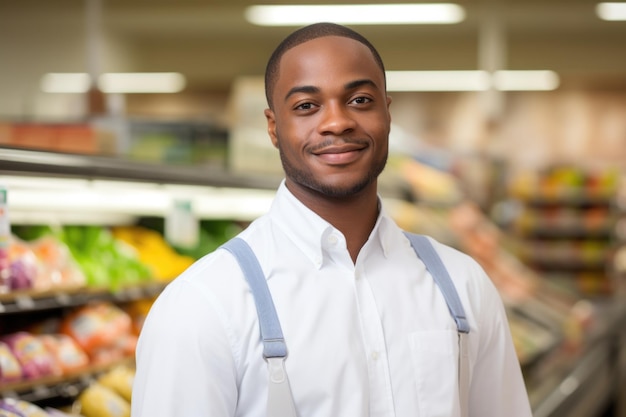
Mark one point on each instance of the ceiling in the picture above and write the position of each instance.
(211, 43)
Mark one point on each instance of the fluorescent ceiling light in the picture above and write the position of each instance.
(525, 80)
(611, 11)
(148, 82)
(141, 82)
(471, 80)
(437, 80)
(356, 14)
(65, 83)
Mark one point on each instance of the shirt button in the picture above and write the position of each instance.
(332, 239)
(375, 356)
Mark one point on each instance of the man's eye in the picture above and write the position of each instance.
(362, 100)
(304, 106)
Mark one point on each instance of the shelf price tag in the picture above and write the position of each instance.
(10, 394)
(62, 299)
(181, 225)
(25, 302)
(128, 294)
(5, 235)
(41, 391)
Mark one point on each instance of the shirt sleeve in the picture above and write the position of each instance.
(497, 387)
(185, 365)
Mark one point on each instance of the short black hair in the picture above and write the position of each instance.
(307, 33)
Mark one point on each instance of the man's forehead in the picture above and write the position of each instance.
(316, 51)
(324, 44)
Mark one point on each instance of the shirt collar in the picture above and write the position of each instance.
(307, 230)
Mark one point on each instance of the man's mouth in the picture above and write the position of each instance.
(340, 154)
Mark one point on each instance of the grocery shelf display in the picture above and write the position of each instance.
(82, 285)
(567, 334)
(122, 259)
(565, 220)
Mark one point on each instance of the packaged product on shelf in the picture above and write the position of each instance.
(24, 269)
(10, 368)
(119, 379)
(30, 351)
(102, 330)
(59, 269)
(20, 408)
(69, 356)
(100, 401)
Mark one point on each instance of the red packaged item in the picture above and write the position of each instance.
(10, 368)
(32, 354)
(69, 356)
(23, 266)
(97, 327)
(59, 269)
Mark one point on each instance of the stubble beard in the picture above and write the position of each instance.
(307, 179)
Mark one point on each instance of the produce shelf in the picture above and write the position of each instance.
(28, 300)
(33, 163)
(64, 386)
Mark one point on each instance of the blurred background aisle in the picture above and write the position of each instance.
(133, 141)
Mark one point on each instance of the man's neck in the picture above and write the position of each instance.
(353, 216)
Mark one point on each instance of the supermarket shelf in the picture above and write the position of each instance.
(584, 383)
(578, 199)
(51, 387)
(585, 391)
(83, 189)
(28, 162)
(29, 301)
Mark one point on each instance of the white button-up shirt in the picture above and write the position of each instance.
(372, 338)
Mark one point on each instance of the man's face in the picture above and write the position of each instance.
(330, 119)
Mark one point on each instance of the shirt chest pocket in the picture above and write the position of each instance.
(434, 357)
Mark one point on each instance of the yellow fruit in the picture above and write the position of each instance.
(100, 401)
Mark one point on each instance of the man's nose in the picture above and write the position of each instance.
(336, 119)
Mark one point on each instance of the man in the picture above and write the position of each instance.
(367, 330)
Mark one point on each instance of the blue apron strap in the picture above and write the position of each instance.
(279, 396)
(271, 332)
(426, 252)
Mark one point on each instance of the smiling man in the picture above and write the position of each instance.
(368, 331)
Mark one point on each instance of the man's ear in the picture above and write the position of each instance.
(271, 126)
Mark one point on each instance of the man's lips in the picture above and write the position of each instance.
(340, 154)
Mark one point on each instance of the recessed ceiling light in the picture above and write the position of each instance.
(69, 82)
(471, 80)
(539, 80)
(116, 82)
(611, 11)
(141, 82)
(355, 14)
(437, 80)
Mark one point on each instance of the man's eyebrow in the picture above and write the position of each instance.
(310, 89)
(358, 83)
(302, 89)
